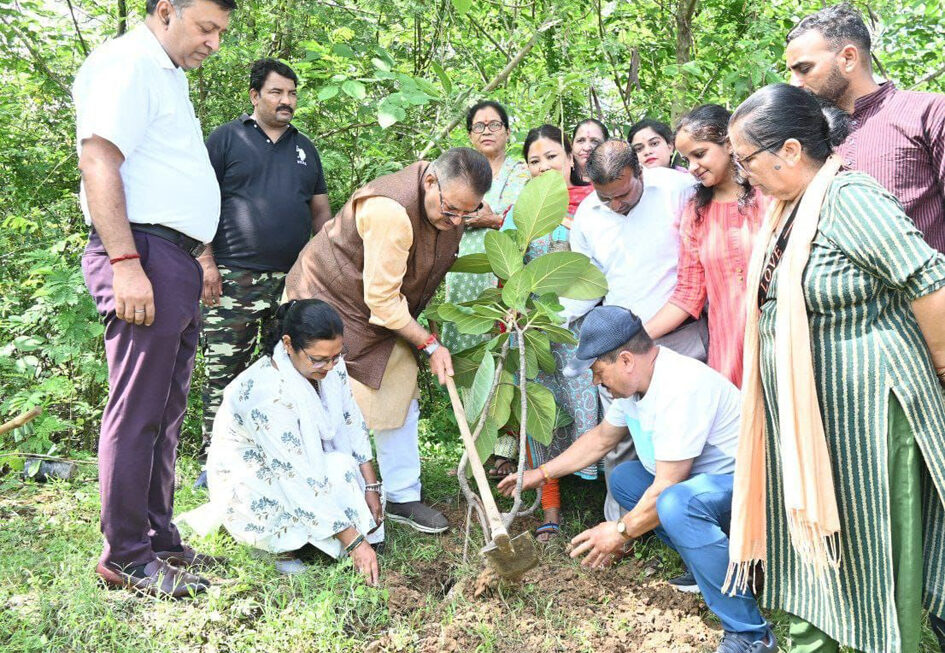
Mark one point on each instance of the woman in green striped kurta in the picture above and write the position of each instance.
(881, 403)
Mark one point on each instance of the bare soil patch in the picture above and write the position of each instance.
(558, 606)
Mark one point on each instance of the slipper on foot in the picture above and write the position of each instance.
(550, 529)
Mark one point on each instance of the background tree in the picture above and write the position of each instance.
(382, 81)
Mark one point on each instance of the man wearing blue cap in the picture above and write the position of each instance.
(683, 417)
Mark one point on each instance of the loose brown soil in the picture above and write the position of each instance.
(559, 606)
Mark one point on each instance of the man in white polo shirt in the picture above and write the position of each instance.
(152, 200)
(684, 419)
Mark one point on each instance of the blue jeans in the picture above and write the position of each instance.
(694, 521)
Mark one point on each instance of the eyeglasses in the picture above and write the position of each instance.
(322, 363)
(741, 161)
(449, 212)
(492, 126)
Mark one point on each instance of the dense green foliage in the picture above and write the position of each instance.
(383, 82)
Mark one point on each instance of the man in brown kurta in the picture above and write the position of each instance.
(379, 262)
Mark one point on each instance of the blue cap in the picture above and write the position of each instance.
(604, 329)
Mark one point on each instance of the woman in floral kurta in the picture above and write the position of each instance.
(546, 148)
(488, 126)
(290, 453)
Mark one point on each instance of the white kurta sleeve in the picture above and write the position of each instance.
(355, 428)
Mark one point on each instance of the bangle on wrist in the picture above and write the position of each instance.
(373, 487)
(355, 543)
(429, 341)
(124, 257)
(544, 473)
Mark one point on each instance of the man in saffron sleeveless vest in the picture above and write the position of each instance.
(379, 262)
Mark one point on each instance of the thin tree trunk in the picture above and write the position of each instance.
(122, 17)
(685, 10)
(492, 85)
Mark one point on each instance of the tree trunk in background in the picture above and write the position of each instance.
(122, 17)
(685, 10)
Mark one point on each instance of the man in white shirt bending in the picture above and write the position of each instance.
(684, 419)
(629, 228)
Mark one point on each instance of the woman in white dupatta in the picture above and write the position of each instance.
(290, 461)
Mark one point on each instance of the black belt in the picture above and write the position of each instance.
(190, 245)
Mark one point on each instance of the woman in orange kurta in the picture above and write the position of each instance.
(716, 235)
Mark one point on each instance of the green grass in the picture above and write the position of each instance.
(50, 599)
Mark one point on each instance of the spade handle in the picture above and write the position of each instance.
(499, 533)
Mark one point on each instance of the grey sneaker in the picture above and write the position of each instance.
(418, 516)
(685, 582)
(746, 643)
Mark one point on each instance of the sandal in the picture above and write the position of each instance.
(502, 467)
(550, 530)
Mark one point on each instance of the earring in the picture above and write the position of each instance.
(777, 167)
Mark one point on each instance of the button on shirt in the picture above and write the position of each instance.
(266, 188)
(898, 137)
(638, 252)
(130, 93)
(689, 412)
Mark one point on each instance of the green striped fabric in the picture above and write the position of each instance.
(867, 263)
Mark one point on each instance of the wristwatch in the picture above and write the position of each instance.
(431, 345)
(622, 529)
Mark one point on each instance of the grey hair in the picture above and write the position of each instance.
(466, 165)
(608, 161)
(180, 5)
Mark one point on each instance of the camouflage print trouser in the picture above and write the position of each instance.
(231, 330)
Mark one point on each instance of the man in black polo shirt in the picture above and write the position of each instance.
(273, 199)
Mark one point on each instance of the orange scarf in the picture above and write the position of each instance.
(809, 496)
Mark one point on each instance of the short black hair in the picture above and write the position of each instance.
(180, 5)
(638, 344)
(466, 164)
(609, 159)
(474, 109)
(777, 112)
(660, 128)
(261, 69)
(839, 24)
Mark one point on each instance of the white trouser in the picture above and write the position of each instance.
(398, 456)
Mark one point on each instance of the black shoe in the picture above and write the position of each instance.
(418, 516)
(686, 582)
(742, 643)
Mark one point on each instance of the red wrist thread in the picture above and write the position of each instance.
(126, 257)
(432, 339)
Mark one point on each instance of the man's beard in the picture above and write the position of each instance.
(835, 86)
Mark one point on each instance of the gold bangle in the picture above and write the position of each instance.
(545, 473)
